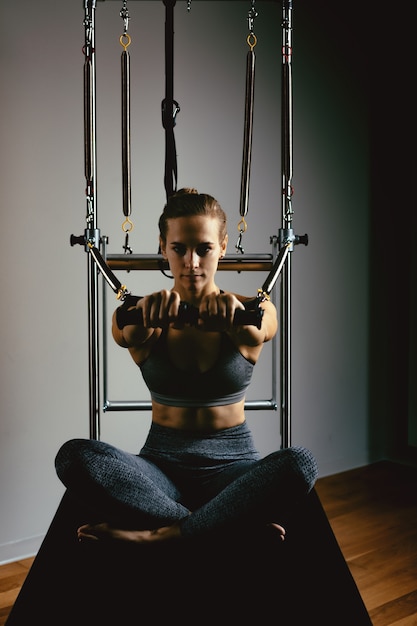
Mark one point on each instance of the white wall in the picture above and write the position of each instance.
(44, 356)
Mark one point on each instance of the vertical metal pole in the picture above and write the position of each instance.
(275, 342)
(91, 233)
(286, 232)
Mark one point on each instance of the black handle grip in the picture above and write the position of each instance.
(188, 314)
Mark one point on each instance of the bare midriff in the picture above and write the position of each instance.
(204, 419)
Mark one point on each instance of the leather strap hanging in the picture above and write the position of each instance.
(248, 127)
(125, 41)
(170, 107)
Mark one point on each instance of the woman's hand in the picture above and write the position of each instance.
(160, 309)
(216, 311)
(157, 310)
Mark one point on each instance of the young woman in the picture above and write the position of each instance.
(210, 510)
(198, 471)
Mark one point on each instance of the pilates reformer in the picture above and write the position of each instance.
(100, 262)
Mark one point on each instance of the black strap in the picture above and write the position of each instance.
(170, 107)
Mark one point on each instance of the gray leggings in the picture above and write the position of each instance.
(208, 483)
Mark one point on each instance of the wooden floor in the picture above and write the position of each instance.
(373, 512)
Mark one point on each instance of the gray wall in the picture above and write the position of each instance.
(44, 356)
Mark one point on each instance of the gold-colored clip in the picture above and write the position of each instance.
(125, 40)
(121, 292)
(242, 225)
(252, 41)
(127, 226)
(263, 295)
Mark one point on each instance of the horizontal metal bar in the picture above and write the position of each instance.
(230, 263)
(192, 0)
(145, 405)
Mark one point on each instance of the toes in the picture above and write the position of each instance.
(279, 528)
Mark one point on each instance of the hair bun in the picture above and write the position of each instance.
(185, 190)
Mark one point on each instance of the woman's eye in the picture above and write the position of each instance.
(182, 250)
(203, 250)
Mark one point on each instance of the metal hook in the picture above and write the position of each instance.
(124, 14)
(251, 17)
(126, 247)
(238, 246)
(175, 112)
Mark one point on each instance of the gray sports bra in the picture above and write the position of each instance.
(225, 382)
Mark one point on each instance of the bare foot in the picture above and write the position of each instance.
(96, 532)
(280, 529)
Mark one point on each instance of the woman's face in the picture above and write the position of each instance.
(193, 250)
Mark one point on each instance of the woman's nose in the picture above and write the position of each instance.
(191, 259)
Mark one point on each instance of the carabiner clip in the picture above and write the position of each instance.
(242, 226)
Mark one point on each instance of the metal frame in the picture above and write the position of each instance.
(92, 237)
(257, 262)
